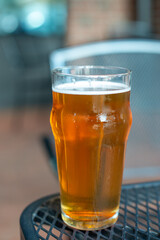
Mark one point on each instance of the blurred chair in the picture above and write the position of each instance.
(143, 58)
(24, 70)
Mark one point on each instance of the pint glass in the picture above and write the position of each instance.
(90, 120)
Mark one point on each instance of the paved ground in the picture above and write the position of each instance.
(24, 173)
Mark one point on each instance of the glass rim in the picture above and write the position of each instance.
(58, 73)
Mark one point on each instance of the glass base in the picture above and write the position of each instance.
(90, 224)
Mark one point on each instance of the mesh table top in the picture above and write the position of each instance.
(139, 217)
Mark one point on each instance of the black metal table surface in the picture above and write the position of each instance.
(139, 217)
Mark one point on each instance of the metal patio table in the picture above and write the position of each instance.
(139, 217)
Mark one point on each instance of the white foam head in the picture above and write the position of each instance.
(91, 88)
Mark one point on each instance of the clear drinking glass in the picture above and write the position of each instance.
(90, 120)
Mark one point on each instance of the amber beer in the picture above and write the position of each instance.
(90, 126)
